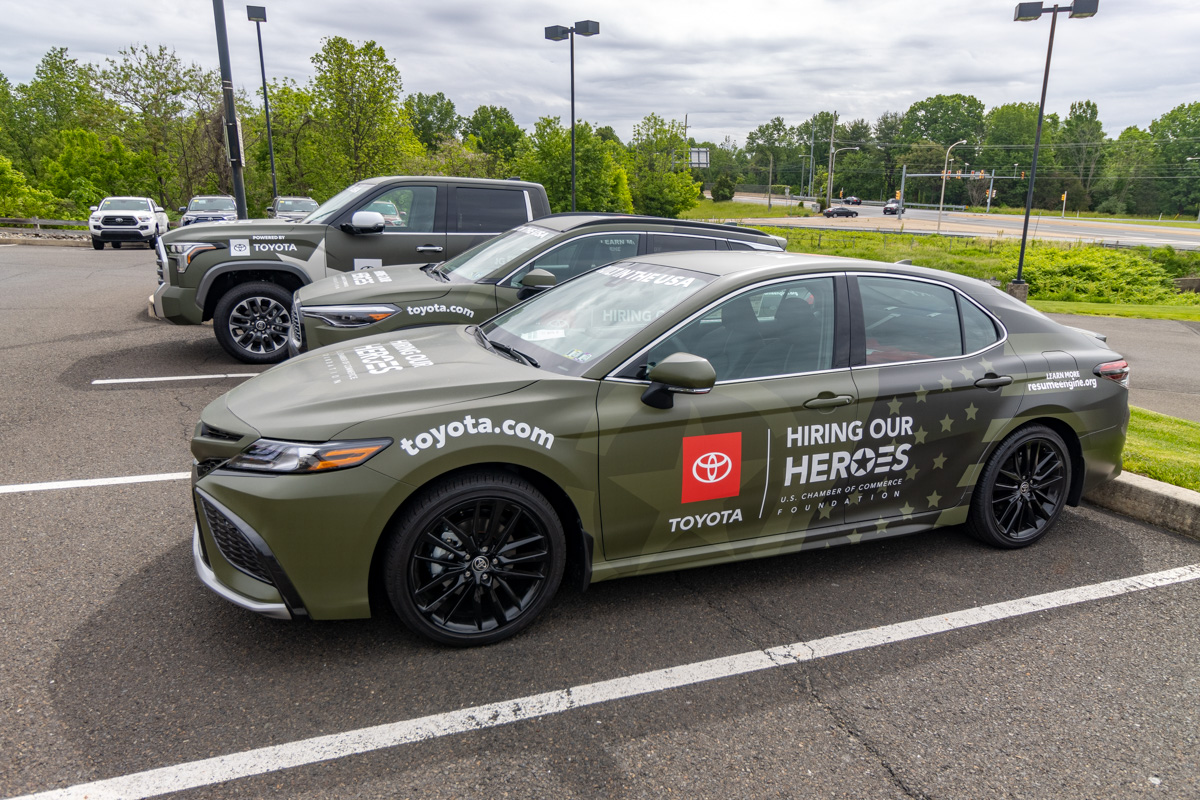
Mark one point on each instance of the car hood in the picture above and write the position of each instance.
(316, 396)
(221, 229)
(398, 284)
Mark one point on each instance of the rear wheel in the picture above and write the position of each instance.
(1022, 490)
(97, 244)
(251, 322)
(475, 560)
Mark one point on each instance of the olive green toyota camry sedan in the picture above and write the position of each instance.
(666, 412)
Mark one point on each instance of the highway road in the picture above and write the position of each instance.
(925, 667)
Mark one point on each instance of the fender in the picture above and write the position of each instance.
(211, 275)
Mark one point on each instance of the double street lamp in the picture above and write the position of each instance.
(556, 33)
(945, 168)
(1028, 12)
(832, 161)
(258, 15)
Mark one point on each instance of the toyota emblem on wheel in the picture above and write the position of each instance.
(712, 467)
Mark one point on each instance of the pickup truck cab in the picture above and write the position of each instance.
(242, 274)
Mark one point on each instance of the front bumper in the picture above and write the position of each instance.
(209, 579)
(142, 234)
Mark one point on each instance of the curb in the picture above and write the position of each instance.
(45, 242)
(1152, 502)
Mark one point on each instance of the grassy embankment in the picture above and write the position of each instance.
(1163, 448)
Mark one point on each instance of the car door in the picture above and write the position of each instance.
(753, 458)
(477, 213)
(414, 230)
(935, 387)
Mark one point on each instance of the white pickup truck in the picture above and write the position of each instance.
(126, 219)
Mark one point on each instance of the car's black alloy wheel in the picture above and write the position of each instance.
(252, 321)
(475, 559)
(1022, 490)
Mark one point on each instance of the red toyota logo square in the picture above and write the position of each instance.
(712, 466)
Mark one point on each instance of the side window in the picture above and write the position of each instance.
(780, 329)
(665, 243)
(582, 254)
(734, 244)
(406, 209)
(908, 320)
(489, 210)
(978, 329)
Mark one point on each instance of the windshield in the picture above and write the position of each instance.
(334, 205)
(212, 204)
(586, 318)
(482, 260)
(302, 204)
(125, 204)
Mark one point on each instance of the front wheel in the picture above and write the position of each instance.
(1022, 490)
(251, 322)
(475, 560)
(97, 244)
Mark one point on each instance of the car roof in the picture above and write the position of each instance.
(482, 182)
(574, 220)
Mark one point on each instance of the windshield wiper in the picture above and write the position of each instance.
(434, 271)
(511, 352)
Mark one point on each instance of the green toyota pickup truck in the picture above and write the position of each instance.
(242, 274)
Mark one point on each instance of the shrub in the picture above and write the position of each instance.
(722, 189)
(1099, 275)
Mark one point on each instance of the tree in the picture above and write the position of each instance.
(432, 117)
(495, 131)
(19, 199)
(888, 135)
(722, 190)
(1176, 136)
(945, 119)
(1080, 149)
(660, 182)
(361, 127)
(601, 183)
(770, 145)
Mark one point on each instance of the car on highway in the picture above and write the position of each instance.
(291, 208)
(840, 211)
(242, 275)
(891, 206)
(664, 412)
(117, 220)
(852, 201)
(497, 274)
(208, 208)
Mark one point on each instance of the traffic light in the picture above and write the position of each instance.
(897, 194)
(1022, 176)
(840, 193)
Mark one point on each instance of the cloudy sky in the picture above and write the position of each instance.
(728, 66)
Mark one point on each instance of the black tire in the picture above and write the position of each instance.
(251, 322)
(475, 559)
(116, 245)
(97, 244)
(1022, 490)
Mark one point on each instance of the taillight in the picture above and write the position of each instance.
(1115, 371)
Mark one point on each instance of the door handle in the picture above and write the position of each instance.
(994, 381)
(429, 248)
(830, 402)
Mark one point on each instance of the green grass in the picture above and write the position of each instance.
(1180, 220)
(1163, 448)
(1190, 313)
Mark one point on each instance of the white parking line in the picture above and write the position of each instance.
(176, 378)
(42, 487)
(209, 771)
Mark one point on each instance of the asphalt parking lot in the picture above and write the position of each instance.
(760, 679)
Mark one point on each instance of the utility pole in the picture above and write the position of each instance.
(829, 173)
(233, 134)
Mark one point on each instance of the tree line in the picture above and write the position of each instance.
(146, 123)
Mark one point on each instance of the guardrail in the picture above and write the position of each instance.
(37, 222)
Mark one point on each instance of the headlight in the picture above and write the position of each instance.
(186, 251)
(350, 316)
(144, 217)
(270, 455)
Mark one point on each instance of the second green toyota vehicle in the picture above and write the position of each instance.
(664, 412)
(496, 274)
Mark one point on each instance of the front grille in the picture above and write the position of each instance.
(122, 236)
(208, 465)
(128, 221)
(233, 544)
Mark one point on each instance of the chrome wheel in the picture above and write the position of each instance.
(259, 325)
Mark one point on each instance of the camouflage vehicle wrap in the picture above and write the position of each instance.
(242, 274)
(490, 277)
(671, 412)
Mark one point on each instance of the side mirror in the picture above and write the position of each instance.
(678, 373)
(159, 210)
(182, 209)
(365, 222)
(93, 208)
(534, 281)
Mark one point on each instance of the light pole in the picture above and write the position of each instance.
(945, 167)
(832, 162)
(1195, 158)
(556, 33)
(1027, 12)
(258, 15)
(233, 133)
